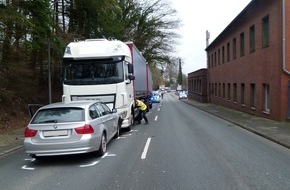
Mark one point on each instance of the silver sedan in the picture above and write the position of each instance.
(71, 128)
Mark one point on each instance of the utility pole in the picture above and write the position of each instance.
(49, 73)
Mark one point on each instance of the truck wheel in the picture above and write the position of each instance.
(133, 117)
(132, 120)
(130, 126)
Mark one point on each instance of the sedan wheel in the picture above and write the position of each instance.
(103, 146)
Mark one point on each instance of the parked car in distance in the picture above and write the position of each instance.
(71, 128)
(155, 98)
(182, 95)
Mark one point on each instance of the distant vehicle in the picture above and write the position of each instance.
(182, 95)
(71, 128)
(155, 98)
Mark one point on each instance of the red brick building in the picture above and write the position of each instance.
(249, 62)
(197, 89)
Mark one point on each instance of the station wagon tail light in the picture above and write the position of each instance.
(29, 132)
(87, 129)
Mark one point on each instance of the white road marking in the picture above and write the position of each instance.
(88, 165)
(30, 159)
(144, 153)
(27, 168)
(156, 117)
(158, 109)
(127, 135)
(121, 137)
(107, 154)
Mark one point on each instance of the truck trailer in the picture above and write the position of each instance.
(110, 71)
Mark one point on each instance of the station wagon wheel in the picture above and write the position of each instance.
(37, 157)
(103, 146)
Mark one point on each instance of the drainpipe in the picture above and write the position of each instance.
(284, 37)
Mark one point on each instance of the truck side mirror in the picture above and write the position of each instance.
(130, 68)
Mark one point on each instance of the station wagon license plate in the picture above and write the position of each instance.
(55, 133)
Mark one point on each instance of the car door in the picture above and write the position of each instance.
(97, 121)
(32, 109)
(107, 119)
(113, 119)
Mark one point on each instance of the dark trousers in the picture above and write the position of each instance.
(142, 114)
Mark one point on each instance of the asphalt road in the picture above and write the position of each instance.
(181, 148)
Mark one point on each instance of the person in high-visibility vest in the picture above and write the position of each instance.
(142, 111)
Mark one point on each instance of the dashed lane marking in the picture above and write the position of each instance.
(144, 153)
(156, 117)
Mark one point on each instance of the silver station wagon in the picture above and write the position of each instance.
(71, 128)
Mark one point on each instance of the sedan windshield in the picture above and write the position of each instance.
(57, 115)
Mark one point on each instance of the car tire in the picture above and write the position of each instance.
(37, 157)
(103, 146)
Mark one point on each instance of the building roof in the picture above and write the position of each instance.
(234, 22)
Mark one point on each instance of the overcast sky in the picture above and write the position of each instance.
(196, 18)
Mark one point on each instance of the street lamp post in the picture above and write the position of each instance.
(49, 73)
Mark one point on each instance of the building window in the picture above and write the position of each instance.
(242, 44)
(252, 38)
(200, 86)
(235, 95)
(208, 61)
(219, 89)
(266, 31)
(253, 96)
(212, 63)
(234, 48)
(223, 54)
(229, 91)
(266, 99)
(228, 52)
(215, 62)
(219, 56)
(215, 89)
(243, 94)
(224, 90)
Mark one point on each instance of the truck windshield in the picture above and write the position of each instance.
(92, 72)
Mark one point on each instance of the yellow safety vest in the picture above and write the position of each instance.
(141, 105)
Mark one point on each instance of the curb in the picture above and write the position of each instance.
(11, 150)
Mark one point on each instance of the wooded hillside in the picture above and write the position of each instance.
(34, 33)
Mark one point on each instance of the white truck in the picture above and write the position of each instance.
(111, 71)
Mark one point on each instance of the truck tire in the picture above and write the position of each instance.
(132, 121)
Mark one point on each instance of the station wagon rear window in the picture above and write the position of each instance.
(59, 115)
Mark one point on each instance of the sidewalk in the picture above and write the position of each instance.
(275, 131)
(278, 132)
(11, 141)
